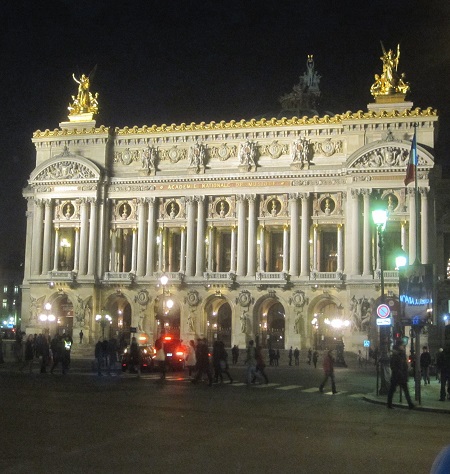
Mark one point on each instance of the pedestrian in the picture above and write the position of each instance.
(57, 347)
(439, 364)
(203, 367)
(18, 347)
(443, 362)
(44, 353)
(99, 356)
(277, 357)
(260, 367)
(328, 370)
(297, 356)
(290, 356)
(425, 362)
(160, 357)
(315, 358)
(191, 359)
(223, 363)
(29, 354)
(250, 361)
(360, 358)
(2, 361)
(399, 374)
(135, 357)
(81, 337)
(105, 353)
(271, 356)
(309, 356)
(235, 354)
(112, 355)
(67, 346)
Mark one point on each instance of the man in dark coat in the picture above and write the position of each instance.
(202, 356)
(443, 362)
(425, 362)
(399, 376)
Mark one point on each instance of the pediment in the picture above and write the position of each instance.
(66, 167)
(387, 154)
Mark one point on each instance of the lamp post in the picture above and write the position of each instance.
(315, 324)
(47, 317)
(167, 302)
(103, 319)
(379, 216)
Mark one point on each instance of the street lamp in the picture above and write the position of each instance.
(47, 317)
(315, 323)
(167, 302)
(103, 320)
(379, 216)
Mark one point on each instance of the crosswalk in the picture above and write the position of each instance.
(256, 386)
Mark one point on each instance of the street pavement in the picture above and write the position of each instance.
(83, 423)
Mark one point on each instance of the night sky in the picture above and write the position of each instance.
(185, 61)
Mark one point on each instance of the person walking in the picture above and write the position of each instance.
(112, 355)
(57, 346)
(160, 358)
(260, 366)
(425, 362)
(235, 354)
(290, 356)
(277, 357)
(315, 358)
(443, 362)
(328, 369)
(309, 356)
(81, 336)
(250, 361)
(399, 374)
(191, 359)
(29, 354)
(135, 357)
(297, 356)
(98, 353)
(202, 362)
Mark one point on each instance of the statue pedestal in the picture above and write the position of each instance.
(79, 121)
(390, 103)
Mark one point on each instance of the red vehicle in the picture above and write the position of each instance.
(175, 352)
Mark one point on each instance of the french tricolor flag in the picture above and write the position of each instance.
(412, 163)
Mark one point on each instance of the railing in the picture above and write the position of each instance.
(219, 276)
(62, 275)
(272, 276)
(119, 276)
(326, 275)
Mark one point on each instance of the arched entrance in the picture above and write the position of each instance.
(328, 325)
(272, 323)
(62, 309)
(218, 321)
(118, 307)
(167, 315)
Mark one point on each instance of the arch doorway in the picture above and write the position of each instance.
(62, 308)
(272, 323)
(167, 312)
(328, 325)
(119, 309)
(218, 321)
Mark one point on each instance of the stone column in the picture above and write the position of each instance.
(293, 253)
(151, 229)
(102, 244)
(367, 234)
(262, 249)
(161, 262)
(92, 256)
(424, 231)
(76, 250)
(304, 254)
(210, 248)
(37, 237)
(183, 250)
(404, 236)
(355, 232)
(340, 249)
(133, 250)
(251, 238)
(241, 236)
(83, 237)
(56, 255)
(315, 237)
(48, 225)
(285, 248)
(200, 254)
(233, 250)
(28, 264)
(412, 225)
(190, 241)
(141, 238)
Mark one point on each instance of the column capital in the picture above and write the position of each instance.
(293, 197)
(355, 192)
(240, 198)
(251, 197)
(366, 192)
(199, 199)
(304, 196)
(150, 200)
(424, 191)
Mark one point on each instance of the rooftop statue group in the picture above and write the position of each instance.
(85, 102)
(390, 82)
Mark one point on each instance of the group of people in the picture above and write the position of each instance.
(106, 355)
(50, 352)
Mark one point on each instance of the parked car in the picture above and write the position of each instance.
(146, 359)
(175, 352)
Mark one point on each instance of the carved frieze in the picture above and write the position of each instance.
(65, 170)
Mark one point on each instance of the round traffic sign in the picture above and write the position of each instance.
(383, 311)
